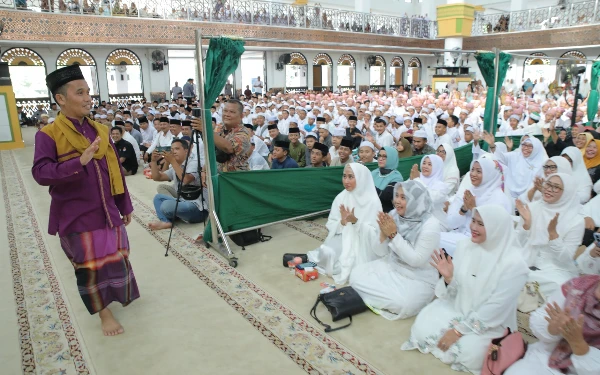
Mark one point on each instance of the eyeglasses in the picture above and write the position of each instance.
(441, 152)
(382, 157)
(527, 146)
(552, 187)
(550, 167)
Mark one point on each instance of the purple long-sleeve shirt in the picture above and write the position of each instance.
(81, 195)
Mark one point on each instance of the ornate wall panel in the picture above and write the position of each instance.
(49, 27)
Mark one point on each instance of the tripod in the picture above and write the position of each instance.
(195, 136)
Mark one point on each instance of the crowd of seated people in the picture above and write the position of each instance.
(454, 253)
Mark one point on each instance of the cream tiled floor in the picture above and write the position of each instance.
(180, 325)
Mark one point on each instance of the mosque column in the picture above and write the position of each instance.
(455, 20)
(517, 5)
(362, 6)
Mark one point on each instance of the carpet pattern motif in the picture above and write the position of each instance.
(314, 351)
(48, 340)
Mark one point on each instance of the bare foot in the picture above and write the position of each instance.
(110, 325)
(158, 225)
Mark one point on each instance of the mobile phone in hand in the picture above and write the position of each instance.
(197, 112)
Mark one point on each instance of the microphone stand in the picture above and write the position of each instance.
(179, 187)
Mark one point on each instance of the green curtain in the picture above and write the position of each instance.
(592, 101)
(222, 59)
(485, 61)
(260, 197)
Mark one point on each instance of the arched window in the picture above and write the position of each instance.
(27, 72)
(322, 72)
(574, 55)
(76, 56)
(396, 72)
(377, 73)
(124, 75)
(296, 73)
(414, 71)
(537, 58)
(346, 72)
(536, 66)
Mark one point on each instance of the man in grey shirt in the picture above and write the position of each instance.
(176, 90)
(188, 90)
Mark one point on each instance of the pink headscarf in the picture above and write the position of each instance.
(580, 294)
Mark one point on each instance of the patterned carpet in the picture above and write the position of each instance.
(49, 343)
(311, 349)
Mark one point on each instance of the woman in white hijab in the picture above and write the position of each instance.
(451, 171)
(550, 231)
(523, 163)
(476, 296)
(580, 173)
(432, 177)
(401, 282)
(556, 164)
(486, 187)
(352, 225)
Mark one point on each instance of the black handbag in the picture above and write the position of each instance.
(249, 238)
(341, 303)
(288, 257)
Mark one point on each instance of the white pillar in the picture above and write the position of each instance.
(451, 43)
(362, 6)
(516, 5)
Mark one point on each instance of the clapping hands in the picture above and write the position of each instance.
(414, 172)
(347, 215)
(443, 264)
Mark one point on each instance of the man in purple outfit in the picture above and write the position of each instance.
(90, 204)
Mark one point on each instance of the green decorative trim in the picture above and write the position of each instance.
(459, 25)
(12, 134)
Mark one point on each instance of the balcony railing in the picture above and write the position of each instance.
(574, 14)
(240, 11)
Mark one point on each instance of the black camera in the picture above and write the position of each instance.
(221, 156)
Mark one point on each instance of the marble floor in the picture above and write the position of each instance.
(196, 315)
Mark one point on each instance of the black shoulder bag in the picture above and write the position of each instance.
(250, 237)
(341, 303)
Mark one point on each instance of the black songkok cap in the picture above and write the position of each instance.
(323, 148)
(352, 118)
(126, 112)
(186, 123)
(321, 119)
(164, 119)
(282, 144)
(294, 130)
(347, 142)
(249, 126)
(143, 119)
(418, 120)
(174, 121)
(443, 122)
(62, 76)
(272, 126)
(119, 122)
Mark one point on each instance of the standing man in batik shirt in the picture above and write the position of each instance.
(90, 204)
(233, 140)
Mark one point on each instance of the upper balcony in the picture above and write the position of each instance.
(250, 12)
(554, 17)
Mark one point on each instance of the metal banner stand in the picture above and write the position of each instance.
(216, 228)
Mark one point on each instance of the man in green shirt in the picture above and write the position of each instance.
(297, 150)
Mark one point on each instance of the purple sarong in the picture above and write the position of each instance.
(102, 268)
